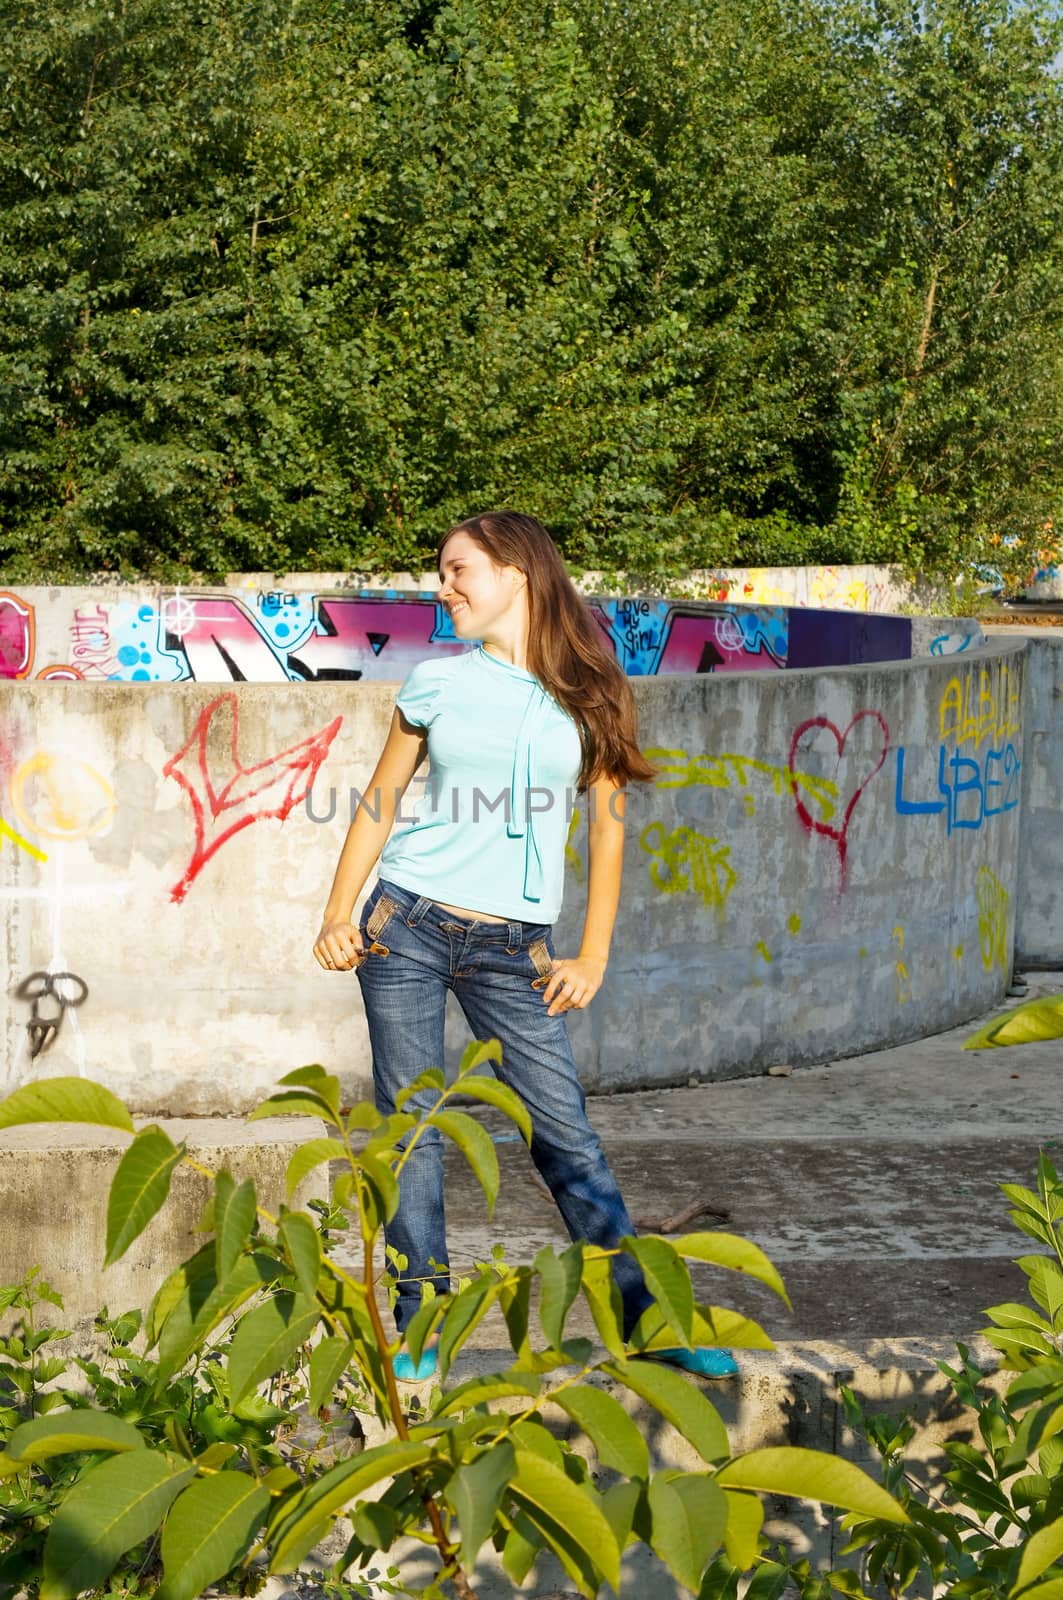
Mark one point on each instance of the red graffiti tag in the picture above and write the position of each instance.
(812, 824)
(276, 784)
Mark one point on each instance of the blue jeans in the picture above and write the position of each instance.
(492, 968)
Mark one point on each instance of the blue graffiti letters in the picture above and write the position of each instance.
(973, 787)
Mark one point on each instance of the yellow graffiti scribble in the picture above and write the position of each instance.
(572, 855)
(688, 862)
(760, 949)
(900, 971)
(993, 907)
(678, 770)
(62, 798)
(23, 844)
(793, 922)
(983, 703)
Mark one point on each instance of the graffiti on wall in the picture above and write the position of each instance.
(280, 637)
(977, 760)
(228, 796)
(831, 588)
(678, 770)
(17, 636)
(50, 995)
(858, 753)
(686, 862)
(994, 905)
(661, 636)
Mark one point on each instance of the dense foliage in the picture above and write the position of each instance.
(295, 283)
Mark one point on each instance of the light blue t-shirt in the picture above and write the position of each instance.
(490, 828)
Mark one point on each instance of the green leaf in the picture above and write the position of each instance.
(383, 1185)
(668, 1280)
(770, 1580)
(731, 1251)
(423, 1323)
(603, 1297)
(314, 1153)
(559, 1279)
(1039, 1552)
(745, 1518)
(621, 1504)
(1051, 1589)
(478, 1053)
(688, 1514)
(64, 1432)
(323, 1083)
(139, 1188)
(550, 1497)
(475, 1144)
(322, 1499)
(266, 1338)
(192, 1302)
(478, 1391)
(65, 1100)
(465, 1312)
(615, 1437)
(430, 1078)
(475, 1492)
(679, 1401)
(211, 1526)
(522, 1545)
(811, 1475)
(329, 1360)
(295, 1103)
(1030, 1023)
(234, 1217)
(302, 1244)
(115, 1506)
(502, 1097)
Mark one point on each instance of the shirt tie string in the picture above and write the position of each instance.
(521, 823)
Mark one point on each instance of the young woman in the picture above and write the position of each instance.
(514, 728)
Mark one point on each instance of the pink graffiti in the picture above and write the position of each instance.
(17, 636)
(368, 639)
(812, 824)
(225, 801)
(700, 642)
(220, 639)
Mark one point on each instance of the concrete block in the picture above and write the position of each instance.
(55, 1180)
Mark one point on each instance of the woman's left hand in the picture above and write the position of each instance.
(573, 984)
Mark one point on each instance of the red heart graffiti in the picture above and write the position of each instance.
(813, 824)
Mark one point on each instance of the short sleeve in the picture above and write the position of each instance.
(418, 699)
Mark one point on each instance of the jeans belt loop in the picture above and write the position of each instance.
(514, 936)
(420, 909)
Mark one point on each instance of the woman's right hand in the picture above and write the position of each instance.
(339, 947)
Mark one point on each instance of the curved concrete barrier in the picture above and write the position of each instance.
(827, 862)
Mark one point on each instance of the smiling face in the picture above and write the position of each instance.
(485, 602)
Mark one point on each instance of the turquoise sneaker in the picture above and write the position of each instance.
(705, 1361)
(425, 1369)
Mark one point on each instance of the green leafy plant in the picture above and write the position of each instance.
(988, 1523)
(478, 1463)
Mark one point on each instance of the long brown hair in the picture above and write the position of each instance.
(566, 651)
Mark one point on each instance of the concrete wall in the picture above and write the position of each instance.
(1039, 922)
(330, 633)
(827, 861)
